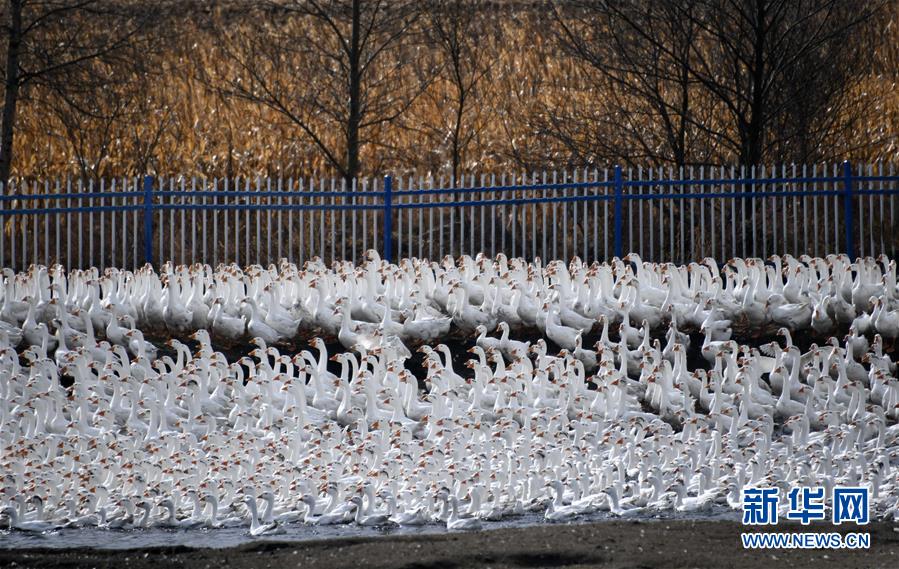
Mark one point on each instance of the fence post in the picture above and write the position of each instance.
(148, 219)
(619, 187)
(848, 212)
(388, 219)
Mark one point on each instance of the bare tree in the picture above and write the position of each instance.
(766, 62)
(701, 81)
(640, 55)
(328, 66)
(459, 30)
(50, 48)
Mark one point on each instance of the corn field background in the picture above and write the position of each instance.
(462, 91)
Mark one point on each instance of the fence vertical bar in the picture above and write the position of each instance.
(205, 232)
(713, 189)
(12, 232)
(161, 213)
(388, 219)
(533, 219)
(640, 228)
(3, 229)
(171, 221)
(565, 219)
(133, 187)
(440, 199)
(825, 187)
(630, 213)
(733, 216)
(804, 214)
(301, 229)
(698, 250)
(836, 209)
(68, 264)
(723, 203)
(58, 237)
(148, 220)
(555, 220)
(112, 218)
(650, 214)
(421, 219)
(605, 216)
(47, 226)
(34, 221)
(183, 225)
(124, 232)
(870, 224)
(815, 234)
(543, 215)
(215, 222)
(268, 221)
(585, 202)
(595, 215)
(493, 216)
(688, 189)
(892, 206)
(280, 217)
(399, 220)
(409, 210)
(431, 220)
(474, 250)
(574, 204)
(671, 213)
(290, 215)
(258, 221)
(662, 190)
(248, 199)
(682, 208)
(410, 184)
(848, 214)
(193, 220)
(753, 199)
(79, 203)
(618, 200)
(24, 225)
(354, 201)
(454, 197)
(235, 200)
(374, 214)
(765, 216)
(342, 223)
(513, 221)
(882, 206)
(481, 193)
(783, 211)
(90, 223)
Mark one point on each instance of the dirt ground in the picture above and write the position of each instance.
(621, 544)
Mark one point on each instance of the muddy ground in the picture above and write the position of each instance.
(618, 544)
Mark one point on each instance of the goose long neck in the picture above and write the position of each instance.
(449, 359)
(254, 512)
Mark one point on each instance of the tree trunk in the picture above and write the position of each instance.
(755, 127)
(11, 90)
(353, 120)
(457, 133)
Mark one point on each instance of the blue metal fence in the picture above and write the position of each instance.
(662, 215)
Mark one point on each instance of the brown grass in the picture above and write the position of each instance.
(175, 120)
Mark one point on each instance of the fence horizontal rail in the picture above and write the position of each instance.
(264, 207)
(79, 209)
(662, 214)
(263, 194)
(428, 205)
(70, 196)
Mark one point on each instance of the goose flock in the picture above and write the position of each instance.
(644, 387)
